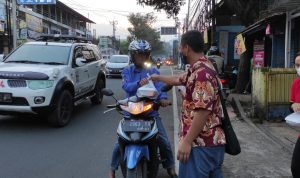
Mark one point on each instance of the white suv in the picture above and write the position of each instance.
(49, 78)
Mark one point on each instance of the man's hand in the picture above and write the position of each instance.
(155, 77)
(184, 151)
(143, 82)
(296, 107)
(164, 102)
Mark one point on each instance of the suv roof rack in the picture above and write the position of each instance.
(63, 38)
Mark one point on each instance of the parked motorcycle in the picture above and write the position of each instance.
(229, 79)
(138, 132)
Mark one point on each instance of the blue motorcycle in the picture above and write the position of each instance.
(138, 132)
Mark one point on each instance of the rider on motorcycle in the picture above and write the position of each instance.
(215, 55)
(135, 76)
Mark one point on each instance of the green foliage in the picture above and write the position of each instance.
(172, 7)
(124, 47)
(141, 29)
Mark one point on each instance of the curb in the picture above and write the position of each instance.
(176, 124)
(260, 129)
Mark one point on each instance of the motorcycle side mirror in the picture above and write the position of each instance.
(107, 92)
(166, 88)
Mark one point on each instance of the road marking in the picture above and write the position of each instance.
(176, 125)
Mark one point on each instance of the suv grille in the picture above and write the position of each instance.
(17, 83)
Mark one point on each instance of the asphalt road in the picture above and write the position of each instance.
(29, 148)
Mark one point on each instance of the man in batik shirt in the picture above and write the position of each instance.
(201, 148)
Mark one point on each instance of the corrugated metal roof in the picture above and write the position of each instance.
(259, 25)
(284, 6)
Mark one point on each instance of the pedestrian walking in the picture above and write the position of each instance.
(201, 148)
(295, 107)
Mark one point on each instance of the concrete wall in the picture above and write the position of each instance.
(259, 99)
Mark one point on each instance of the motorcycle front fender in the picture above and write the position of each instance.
(134, 153)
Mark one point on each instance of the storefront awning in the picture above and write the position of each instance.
(261, 24)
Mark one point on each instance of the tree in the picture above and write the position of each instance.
(172, 7)
(141, 29)
(124, 47)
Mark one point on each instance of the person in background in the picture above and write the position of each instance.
(215, 55)
(295, 107)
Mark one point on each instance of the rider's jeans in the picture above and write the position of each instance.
(163, 144)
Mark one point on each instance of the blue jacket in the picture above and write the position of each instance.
(131, 78)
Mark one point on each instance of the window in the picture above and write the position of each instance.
(119, 59)
(40, 54)
(89, 56)
(45, 30)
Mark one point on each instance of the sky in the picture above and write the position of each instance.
(102, 12)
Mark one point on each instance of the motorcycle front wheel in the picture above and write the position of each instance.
(140, 171)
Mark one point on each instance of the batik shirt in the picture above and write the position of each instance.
(202, 93)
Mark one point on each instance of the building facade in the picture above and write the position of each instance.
(34, 20)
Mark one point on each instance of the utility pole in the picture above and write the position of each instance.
(213, 21)
(8, 26)
(188, 15)
(14, 24)
(114, 23)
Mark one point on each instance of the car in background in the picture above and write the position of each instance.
(116, 64)
(168, 62)
(106, 57)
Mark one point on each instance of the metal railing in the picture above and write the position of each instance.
(279, 83)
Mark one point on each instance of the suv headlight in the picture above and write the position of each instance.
(40, 84)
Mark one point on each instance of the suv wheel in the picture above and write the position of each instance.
(97, 99)
(61, 115)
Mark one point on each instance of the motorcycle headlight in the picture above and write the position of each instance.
(40, 84)
(138, 108)
(147, 64)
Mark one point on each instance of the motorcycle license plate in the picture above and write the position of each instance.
(137, 126)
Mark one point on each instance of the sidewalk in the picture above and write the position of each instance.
(266, 148)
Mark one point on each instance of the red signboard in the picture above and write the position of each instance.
(259, 54)
(258, 59)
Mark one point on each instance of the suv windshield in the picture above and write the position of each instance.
(34, 53)
(118, 59)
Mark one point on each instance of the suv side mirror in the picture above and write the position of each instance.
(80, 62)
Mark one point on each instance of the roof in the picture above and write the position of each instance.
(259, 25)
(120, 55)
(50, 43)
(58, 37)
(79, 16)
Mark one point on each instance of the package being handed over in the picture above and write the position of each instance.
(293, 119)
(148, 90)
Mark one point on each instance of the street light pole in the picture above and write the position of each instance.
(14, 23)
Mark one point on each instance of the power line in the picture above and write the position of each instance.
(195, 12)
(82, 7)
